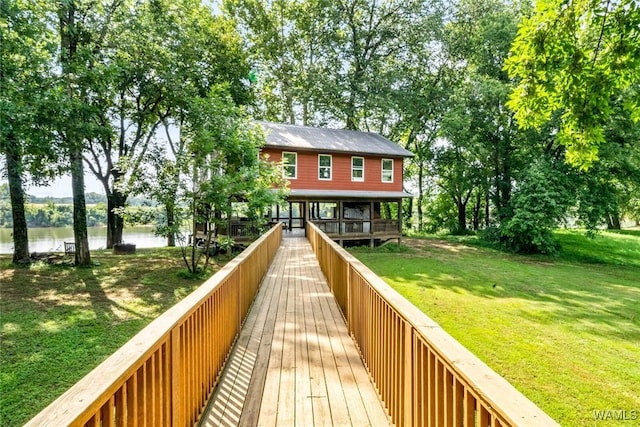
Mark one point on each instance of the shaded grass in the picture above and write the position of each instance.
(58, 323)
(565, 331)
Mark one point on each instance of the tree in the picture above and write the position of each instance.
(289, 49)
(166, 168)
(574, 61)
(26, 92)
(480, 156)
(330, 60)
(147, 80)
(81, 32)
(543, 196)
(223, 149)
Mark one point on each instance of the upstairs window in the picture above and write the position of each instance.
(387, 170)
(290, 165)
(357, 169)
(324, 167)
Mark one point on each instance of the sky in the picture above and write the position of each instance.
(61, 187)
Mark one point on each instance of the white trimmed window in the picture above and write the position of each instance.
(387, 170)
(324, 167)
(357, 169)
(290, 165)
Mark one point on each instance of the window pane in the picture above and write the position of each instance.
(325, 160)
(387, 164)
(357, 162)
(289, 158)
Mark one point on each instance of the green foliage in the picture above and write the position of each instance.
(61, 215)
(225, 166)
(539, 203)
(535, 320)
(575, 60)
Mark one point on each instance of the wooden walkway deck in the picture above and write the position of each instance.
(294, 363)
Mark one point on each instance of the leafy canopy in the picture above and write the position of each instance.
(574, 60)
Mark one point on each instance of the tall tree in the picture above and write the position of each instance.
(81, 32)
(147, 79)
(476, 42)
(332, 61)
(224, 147)
(574, 60)
(26, 91)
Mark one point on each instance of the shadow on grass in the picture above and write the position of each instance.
(60, 322)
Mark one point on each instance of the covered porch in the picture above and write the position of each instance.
(363, 217)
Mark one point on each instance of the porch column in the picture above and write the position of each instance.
(340, 216)
(372, 241)
(399, 221)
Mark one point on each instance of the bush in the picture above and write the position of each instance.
(538, 204)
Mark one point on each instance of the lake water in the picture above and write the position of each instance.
(51, 239)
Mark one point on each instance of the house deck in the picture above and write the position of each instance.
(294, 362)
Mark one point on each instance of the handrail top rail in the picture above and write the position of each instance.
(503, 397)
(68, 408)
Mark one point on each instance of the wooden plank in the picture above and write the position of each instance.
(307, 370)
(286, 397)
(245, 369)
(363, 403)
(306, 327)
(262, 337)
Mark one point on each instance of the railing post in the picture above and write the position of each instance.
(408, 374)
(177, 415)
(348, 302)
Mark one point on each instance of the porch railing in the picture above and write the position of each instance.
(423, 375)
(350, 226)
(166, 373)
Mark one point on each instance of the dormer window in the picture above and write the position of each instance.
(290, 165)
(357, 169)
(324, 167)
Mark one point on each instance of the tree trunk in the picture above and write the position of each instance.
(80, 234)
(408, 212)
(69, 37)
(20, 232)
(462, 217)
(115, 223)
(487, 209)
(171, 220)
(613, 221)
(477, 207)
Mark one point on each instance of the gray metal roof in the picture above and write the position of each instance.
(330, 140)
(348, 194)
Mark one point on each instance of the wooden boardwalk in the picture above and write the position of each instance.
(294, 363)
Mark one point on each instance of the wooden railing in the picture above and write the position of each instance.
(423, 375)
(350, 226)
(166, 373)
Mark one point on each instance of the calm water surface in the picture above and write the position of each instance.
(51, 239)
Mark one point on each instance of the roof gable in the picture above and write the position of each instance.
(295, 137)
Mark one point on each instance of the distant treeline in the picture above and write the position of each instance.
(61, 215)
(90, 199)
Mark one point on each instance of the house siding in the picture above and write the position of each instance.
(307, 172)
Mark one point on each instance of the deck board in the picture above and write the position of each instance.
(294, 363)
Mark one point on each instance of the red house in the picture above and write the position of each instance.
(348, 183)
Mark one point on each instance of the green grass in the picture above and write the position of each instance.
(565, 331)
(58, 323)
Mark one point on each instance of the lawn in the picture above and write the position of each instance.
(565, 331)
(59, 322)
